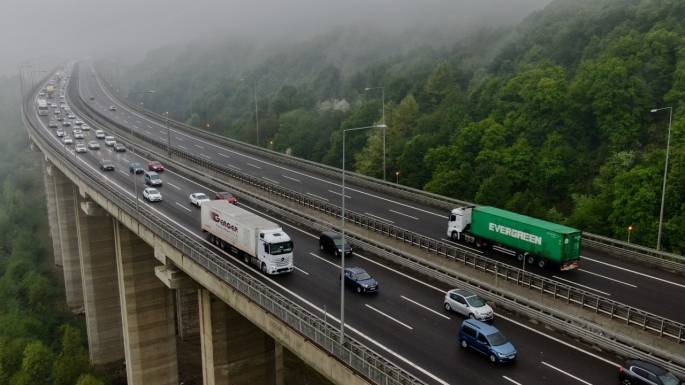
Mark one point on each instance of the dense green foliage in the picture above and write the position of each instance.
(40, 340)
(550, 118)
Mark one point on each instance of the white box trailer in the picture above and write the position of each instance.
(254, 239)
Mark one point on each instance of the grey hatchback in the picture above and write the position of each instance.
(638, 372)
(359, 279)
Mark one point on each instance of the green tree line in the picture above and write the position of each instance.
(550, 118)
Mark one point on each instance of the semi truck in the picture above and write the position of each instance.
(528, 239)
(257, 241)
(50, 91)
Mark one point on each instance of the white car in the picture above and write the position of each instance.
(152, 195)
(94, 145)
(468, 304)
(80, 147)
(66, 139)
(85, 127)
(78, 134)
(99, 134)
(198, 198)
(78, 122)
(109, 141)
(60, 132)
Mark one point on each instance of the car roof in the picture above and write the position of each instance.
(659, 371)
(331, 234)
(356, 270)
(484, 328)
(461, 292)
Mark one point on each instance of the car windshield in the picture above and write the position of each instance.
(669, 379)
(363, 276)
(338, 241)
(199, 196)
(475, 301)
(281, 248)
(497, 339)
(225, 195)
(152, 191)
(135, 165)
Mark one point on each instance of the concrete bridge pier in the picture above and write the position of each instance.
(100, 282)
(53, 221)
(147, 313)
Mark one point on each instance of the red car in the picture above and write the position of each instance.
(155, 166)
(226, 196)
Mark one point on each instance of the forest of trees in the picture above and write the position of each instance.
(41, 341)
(550, 118)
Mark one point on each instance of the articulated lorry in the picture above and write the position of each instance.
(50, 91)
(536, 241)
(252, 238)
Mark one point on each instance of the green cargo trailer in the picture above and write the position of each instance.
(534, 240)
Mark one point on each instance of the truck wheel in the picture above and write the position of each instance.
(212, 238)
(530, 259)
(479, 242)
(246, 258)
(520, 256)
(263, 267)
(222, 244)
(454, 236)
(542, 263)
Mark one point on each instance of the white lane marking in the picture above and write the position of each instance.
(577, 284)
(634, 272)
(397, 212)
(125, 160)
(179, 139)
(199, 146)
(208, 157)
(270, 180)
(149, 126)
(148, 132)
(327, 261)
(566, 373)
(425, 307)
(512, 381)
(316, 196)
(134, 126)
(376, 216)
(605, 277)
(337, 193)
(224, 155)
(182, 147)
(297, 268)
(237, 168)
(122, 171)
(163, 139)
(559, 341)
(399, 322)
(137, 121)
(163, 132)
(249, 164)
(183, 207)
(296, 180)
(173, 185)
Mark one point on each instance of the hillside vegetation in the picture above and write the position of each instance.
(550, 118)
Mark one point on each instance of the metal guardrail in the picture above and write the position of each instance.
(600, 305)
(651, 256)
(352, 353)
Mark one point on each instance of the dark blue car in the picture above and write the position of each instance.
(136, 167)
(360, 280)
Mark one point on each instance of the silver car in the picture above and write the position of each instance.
(78, 134)
(66, 139)
(94, 145)
(80, 147)
(468, 304)
(152, 195)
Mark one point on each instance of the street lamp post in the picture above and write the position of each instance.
(397, 177)
(383, 123)
(342, 264)
(133, 147)
(168, 135)
(663, 189)
(630, 228)
(256, 109)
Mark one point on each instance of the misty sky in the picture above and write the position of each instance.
(49, 32)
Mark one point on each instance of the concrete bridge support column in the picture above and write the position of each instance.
(234, 350)
(66, 214)
(187, 314)
(147, 313)
(100, 282)
(52, 213)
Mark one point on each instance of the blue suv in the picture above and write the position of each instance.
(486, 339)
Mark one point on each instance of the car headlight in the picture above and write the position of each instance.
(339, 250)
(501, 354)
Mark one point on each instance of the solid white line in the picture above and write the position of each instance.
(566, 373)
(634, 272)
(314, 255)
(270, 180)
(208, 157)
(376, 216)
(337, 193)
(183, 207)
(173, 185)
(199, 146)
(507, 378)
(249, 164)
(380, 312)
(397, 212)
(577, 284)
(316, 196)
(296, 180)
(610, 279)
(223, 155)
(431, 310)
(297, 268)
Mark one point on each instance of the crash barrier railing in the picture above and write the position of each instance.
(352, 353)
(571, 295)
(584, 330)
(618, 248)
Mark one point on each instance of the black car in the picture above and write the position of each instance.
(66, 123)
(119, 147)
(52, 124)
(637, 372)
(333, 242)
(92, 98)
(106, 165)
(360, 280)
(60, 118)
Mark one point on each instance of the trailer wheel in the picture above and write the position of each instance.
(246, 258)
(454, 236)
(222, 244)
(520, 256)
(530, 259)
(263, 267)
(212, 238)
(542, 263)
(479, 242)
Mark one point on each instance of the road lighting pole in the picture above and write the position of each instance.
(663, 189)
(630, 228)
(342, 264)
(133, 147)
(383, 123)
(168, 135)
